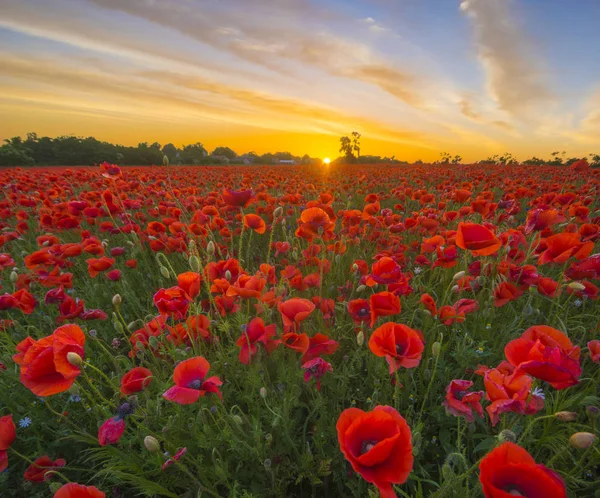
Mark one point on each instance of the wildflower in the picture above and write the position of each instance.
(316, 368)
(191, 382)
(25, 422)
(74, 490)
(36, 472)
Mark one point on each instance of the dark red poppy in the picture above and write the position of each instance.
(563, 246)
(294, 311)
(509, 470)
(360, 310)
(36, 472)
(461, 403)
(478, 239)
(594, 349)
(111, 431)
(587, 268)
(378, 445)
(400, 345)
(319, 345)
(384, 271)
(191, 382)
(255, 222)
(316, 368)
(136, 380)
(384, 304)
(74, 490)
(173, 302)
(297, 342)
(240, 198)
(506, 292)
(256, 333)
(98, 265)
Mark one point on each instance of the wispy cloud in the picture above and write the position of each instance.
(515, 78)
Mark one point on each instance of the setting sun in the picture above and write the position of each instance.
(326, 160)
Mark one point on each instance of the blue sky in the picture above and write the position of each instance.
(415, 77)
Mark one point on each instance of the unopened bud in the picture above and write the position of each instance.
(74, 359)
(507, 436)
(355, 267)
(227, 275)
(263, 392)
(455, 289)
(237, 419)
(278, 212)
(151, 444)
(582, 440)
(360, 338)
(14, 276)
(117, 300)
(164, 272)
(576, 286)
(132, 325)
(566, 416)
(459, 275)
(361, 288)
(436, 347)
(210, 248)
(165, 160)
(130, 243)
(592, 411)
(194, 264)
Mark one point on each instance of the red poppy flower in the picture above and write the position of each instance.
(173, 302)
(255, 222)
(190, 282)
(240, 198)
(476, 238)
(111, 431)
(315, 222)
(74, 490)
(191, 382)
(297, 342)
(509, 470)
(256, 332)
(136, 380)
(384, 271)
(8, 434)
(400, 345)
(247, 286)
(37, 471)
(378, 445)
(506, 292)
(594, 349)
(111, 171)
(176, 457)
(316, 368)
(587, 268)
(461, 403)
(360, 310)
(546, 354)
(319, 345)
(45, 369)
(548, 287)
(427, 301)
(563, 246)
(293, 311)
(384, 304)
(96, 266)
(538, 219)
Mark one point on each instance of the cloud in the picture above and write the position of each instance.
(514, 77)
(466, 109)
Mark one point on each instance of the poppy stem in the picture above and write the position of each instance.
(530, 426)
(431, 380)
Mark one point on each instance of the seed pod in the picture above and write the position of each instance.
(151, 444)
(74, 359)
(582, 440)
(566, 416)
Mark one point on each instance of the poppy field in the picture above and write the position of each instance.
(271, 331)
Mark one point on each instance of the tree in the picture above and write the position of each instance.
(170, 151)
(350, 147)
(193, 153)
(225, 152)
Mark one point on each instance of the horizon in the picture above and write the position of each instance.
(415, 78)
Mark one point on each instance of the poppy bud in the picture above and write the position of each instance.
(355, 267)
(337, 258)
(165, 160)
(582, 440)
(153, 342)
(237, 419)
(459, 275)
(164, 272)
(360, 289)
(210, 248)
(592, 411)
(278, 212)
(360, 338)
(263, 392)
(456, 289)
(74, 359)
(480, 280)
(14, 276)
(118, 327)
(131, 243)
(436, 347)
(227, 275)
(194, 264)
(55, 486)
(427, 312)
(117, 300)
(507, 436)
(566, 416)
(132, 326)
(576, 286)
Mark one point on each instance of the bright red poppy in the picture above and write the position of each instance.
(74, 490)
(319, 345)
(378, 445)
(36, 472)
(594, 349)
(509, 470)
(462, 403)
(400, 345)
(254, 334)
(190, 282)
(294, 311)
(191, 382)
(478, 239)
(136, 380)
(45, 369)
(316, 368)
(173, 302)
(255, 222)
(384, 304)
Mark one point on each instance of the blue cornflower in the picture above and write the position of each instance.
(24, 422)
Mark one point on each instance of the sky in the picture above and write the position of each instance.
(414, 77)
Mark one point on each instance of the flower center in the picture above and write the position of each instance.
(460, 395)
(367, 446)
(512, 490)
(399, 348)
(195, 384)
